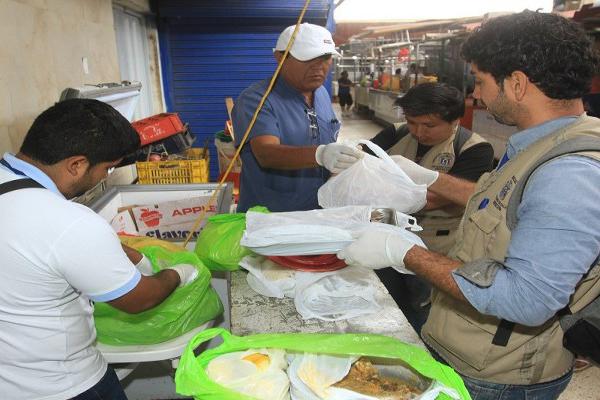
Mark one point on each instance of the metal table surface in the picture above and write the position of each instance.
(253, 313)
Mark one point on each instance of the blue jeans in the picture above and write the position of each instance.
(481, 390)
(108, 388)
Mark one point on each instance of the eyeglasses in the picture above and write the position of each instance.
(313, 129)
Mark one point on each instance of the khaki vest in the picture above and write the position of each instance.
(458, 332)
(439, 226)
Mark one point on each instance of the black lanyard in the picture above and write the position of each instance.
(19, 183)
(7, 165)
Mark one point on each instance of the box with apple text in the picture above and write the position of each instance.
(171, 220)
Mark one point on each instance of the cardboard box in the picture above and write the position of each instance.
(171, 220)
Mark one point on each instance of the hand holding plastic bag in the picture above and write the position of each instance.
(374, 181)
(187, 273)
(336, 157)
(186, 308)
(375, 249)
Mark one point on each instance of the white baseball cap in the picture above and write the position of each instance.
(311, 41)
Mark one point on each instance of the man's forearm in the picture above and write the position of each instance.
(133, 255)
(435, 268)
(278, 156)
(435, 201)
(149, 292)
(456, 190)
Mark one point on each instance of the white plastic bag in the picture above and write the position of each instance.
(329, 296)
(341, 217)
(375, 181)
(336, 295)
(313, 232)
(311, 375)
(267, 278)
(302, 232)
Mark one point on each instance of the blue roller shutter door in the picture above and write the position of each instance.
(207, 56)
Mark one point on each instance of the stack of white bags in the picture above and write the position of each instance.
(314, 232)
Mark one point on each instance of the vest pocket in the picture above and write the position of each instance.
(459, 337)
(478, 233)
(485, 220)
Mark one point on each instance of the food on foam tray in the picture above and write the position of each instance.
(364, 378)
(258, 373)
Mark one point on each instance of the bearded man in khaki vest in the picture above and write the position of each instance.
(528, 245)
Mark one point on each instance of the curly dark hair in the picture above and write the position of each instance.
(554, 53)
(439, 99)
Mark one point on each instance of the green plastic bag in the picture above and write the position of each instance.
(191, 378)
(218, 245)
(185, 309)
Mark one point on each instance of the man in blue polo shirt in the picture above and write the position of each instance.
(291, 149)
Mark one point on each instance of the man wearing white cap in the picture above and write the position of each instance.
(291, 149)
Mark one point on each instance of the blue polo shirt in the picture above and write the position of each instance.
(286, 115)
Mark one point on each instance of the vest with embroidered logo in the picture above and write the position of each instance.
(439, 226)
(467, 339)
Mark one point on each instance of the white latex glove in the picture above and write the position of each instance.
(187, 273)
(145, 266)
(337, 157)
(375, 249)
(420, 175)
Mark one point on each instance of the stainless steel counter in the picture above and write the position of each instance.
(253, 313)
(381, 102)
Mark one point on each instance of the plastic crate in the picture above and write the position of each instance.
(157, 127)
(193, 170)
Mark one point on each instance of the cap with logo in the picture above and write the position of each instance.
(311, 41)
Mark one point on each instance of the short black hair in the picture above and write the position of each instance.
(554, 53)
(439, 99)
(80, 127)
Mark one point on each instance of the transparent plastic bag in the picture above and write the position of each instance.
(336, 295)
(373, 181)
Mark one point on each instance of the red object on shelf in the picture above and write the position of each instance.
(318, 263)
(158, 127)
(235, 178)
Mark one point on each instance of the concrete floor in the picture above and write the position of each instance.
(585, 385)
